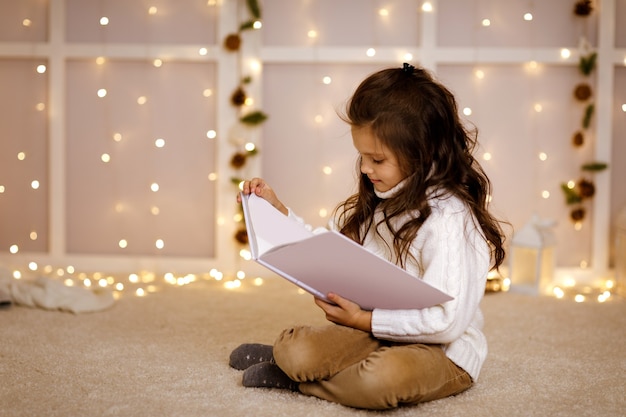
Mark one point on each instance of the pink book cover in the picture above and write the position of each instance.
(330, 262)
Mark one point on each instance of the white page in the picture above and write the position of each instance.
(268, 227)
(330, 262)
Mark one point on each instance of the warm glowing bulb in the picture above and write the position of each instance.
(141, 100)
(528, 17)
(104, 21)
(327, 170)
(203, 51)
(370, 52)
(545, 194)
(26, 22)
(480, 74)
(152, 10)
(323, 213)
(155, 210)
(383, 12)
(408, 57)
(102, 92)
(212, 176)
(327, 80)
(123, 243)
(486, 22)
(565, 53)
(40, 107)
(487, 156)
(543, 156)
(14, 249)
(159, 244)
(159, 143)
(257, 24)
(21, 156)
(34, 184)
(157, 62)
(41, 69)
(33, 235)
(624, 107)
(211, 134)
(105, 157)
(32, 266)
(538, 107)
(427, 6)
(207, 92)
(467, 111)
(154, 187)
(318, 119)
(312, 34)
(250, 146)
(571, 184)
(117, 137)
(100, 60)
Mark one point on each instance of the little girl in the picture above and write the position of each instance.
(422, 204)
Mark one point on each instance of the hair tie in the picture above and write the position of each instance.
(408, 68)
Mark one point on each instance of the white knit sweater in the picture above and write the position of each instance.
(453, 256)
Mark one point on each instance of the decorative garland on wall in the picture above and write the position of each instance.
(238, 99)
(576, 193)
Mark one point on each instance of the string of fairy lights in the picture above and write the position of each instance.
(146, 282)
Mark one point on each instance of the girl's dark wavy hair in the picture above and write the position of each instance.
(416, 118)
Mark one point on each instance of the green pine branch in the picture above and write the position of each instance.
(571, 196)
(595, 166)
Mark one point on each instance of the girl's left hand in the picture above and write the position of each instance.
(346, 313)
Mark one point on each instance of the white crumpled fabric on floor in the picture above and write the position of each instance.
(49, 294)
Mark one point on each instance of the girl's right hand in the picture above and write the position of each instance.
(260, 188)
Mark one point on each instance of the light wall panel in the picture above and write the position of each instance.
(24, 176)
(120, 147)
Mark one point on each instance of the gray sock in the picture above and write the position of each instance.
(268, 375)
(250, 354)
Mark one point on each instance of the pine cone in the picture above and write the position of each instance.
(239, 97)
(232, 42)
(582, 92)
(238, 160)
(241, 236)
(583, 8)
(578, 139)
(578, 214)
(587, 188)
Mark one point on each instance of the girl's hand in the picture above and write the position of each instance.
(346, 313)
(258, 187)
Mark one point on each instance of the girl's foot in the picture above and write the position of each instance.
(268, 375)
(250, 354)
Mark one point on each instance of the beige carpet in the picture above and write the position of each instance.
(166, 354)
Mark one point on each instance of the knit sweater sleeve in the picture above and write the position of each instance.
(454, 257)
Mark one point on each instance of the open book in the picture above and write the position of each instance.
(330, 262)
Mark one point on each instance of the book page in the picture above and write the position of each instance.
(330, 262)
(268, 227)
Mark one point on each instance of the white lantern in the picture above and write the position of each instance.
(532, 257)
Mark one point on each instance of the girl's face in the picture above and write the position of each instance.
(377, 161)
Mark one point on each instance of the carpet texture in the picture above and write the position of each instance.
(166, 354)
